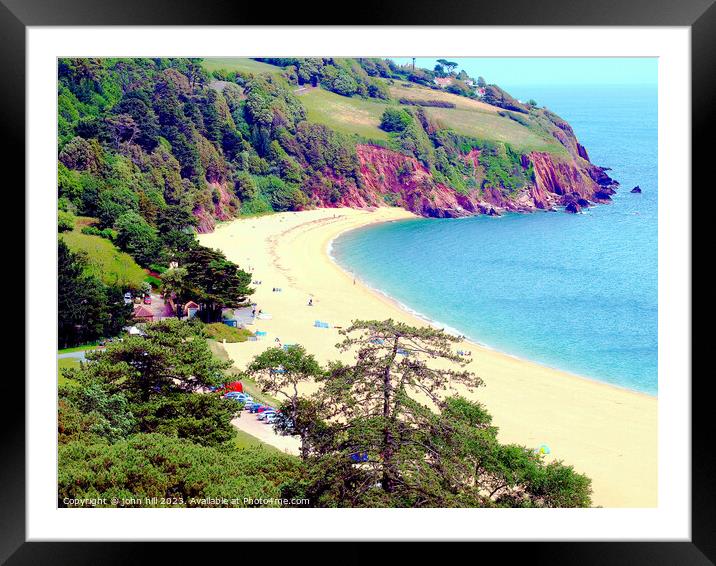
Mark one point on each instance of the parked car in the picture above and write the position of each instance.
(262, 415)
(148, 300)
(271, 418)
(128, 298)
(235, 394)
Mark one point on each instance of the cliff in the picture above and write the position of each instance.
(392, 178)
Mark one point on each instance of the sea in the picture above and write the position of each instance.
(577, 292)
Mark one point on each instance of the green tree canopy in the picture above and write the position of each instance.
(183, 473)
(173, 357)
(214, 282)
(395, 119)
(278, 370)
(137, 238)
(202, 418)
(87, 308)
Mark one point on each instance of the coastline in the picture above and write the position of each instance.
(605, 431)
(425, 319)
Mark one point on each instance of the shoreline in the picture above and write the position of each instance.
(603, 430)
(454, 331)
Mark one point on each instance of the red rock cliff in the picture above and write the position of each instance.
(392, 178)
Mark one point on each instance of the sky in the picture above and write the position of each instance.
(534, 71)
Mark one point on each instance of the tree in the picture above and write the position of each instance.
(65, 221)
(214, 282)
(384, 436)
(92, 411)
(276, 370)
(395, 120)
(201, 418)
(172, 358)
(465, 463)
(87, 309)
(481, 82)
(449, 65)
(175, 228)
(374, 393)
(175, 287)
(244, 186)
(137, 238)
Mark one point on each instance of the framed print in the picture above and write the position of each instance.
(424, 277)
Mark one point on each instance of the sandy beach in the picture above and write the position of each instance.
(606, 432)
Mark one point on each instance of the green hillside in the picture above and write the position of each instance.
(346, 115)
(239, 64)
(112, 266)
(355, 115)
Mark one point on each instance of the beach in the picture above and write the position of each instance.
(606, 432)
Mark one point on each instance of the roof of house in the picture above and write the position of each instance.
(191, 305)
(443, 81)
(140, 311)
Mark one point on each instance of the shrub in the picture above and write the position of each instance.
(65, 221)
(395, 120)
(220, 331)
(432, 103)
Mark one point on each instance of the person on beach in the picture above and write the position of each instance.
(310, 301)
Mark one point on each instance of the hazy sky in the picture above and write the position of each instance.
(533, 71)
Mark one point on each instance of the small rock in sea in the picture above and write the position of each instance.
(636, 189)
(573, 207)
(493, 212)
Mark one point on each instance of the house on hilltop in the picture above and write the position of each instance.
(443, 82)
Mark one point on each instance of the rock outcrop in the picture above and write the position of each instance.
(222, 205)
(636, 190)
(392, 178)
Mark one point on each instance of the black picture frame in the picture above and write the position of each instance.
(699, 15)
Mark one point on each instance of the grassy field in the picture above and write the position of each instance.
(413, 92)
(81, 348)
(469, 117)
(239, 64)
(220, 331)
(484, 125)
(343, 114)
(107, 262)
(245, 440)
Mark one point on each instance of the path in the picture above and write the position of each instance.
(264, 432)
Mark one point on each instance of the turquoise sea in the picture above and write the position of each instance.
(575, 292)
